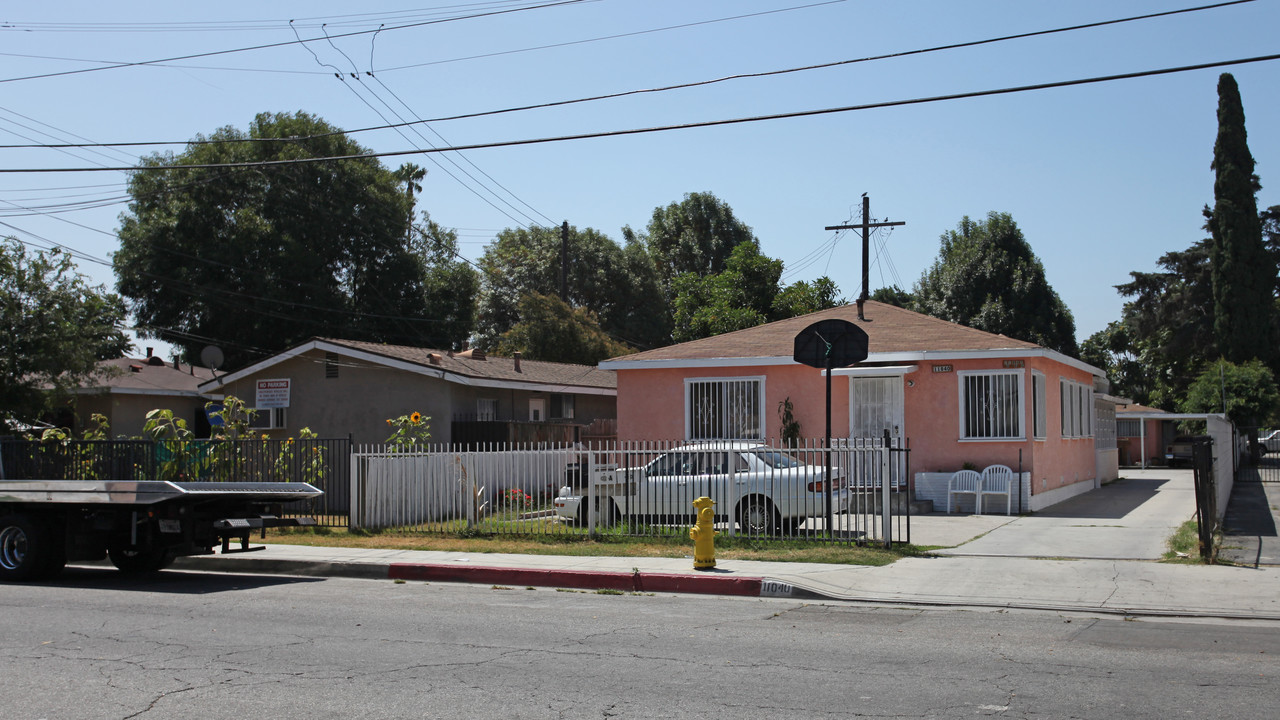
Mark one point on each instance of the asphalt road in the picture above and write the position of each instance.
(187, 644)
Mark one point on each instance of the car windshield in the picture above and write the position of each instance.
(776, 458)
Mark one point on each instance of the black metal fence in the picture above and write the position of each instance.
(1206, 496)
(324, 463)
(1262, 461)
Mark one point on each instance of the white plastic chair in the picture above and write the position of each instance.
(998, 480)
(965, 482)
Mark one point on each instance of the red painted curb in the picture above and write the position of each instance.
(580, 579)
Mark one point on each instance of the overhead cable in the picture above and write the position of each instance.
(684, 126)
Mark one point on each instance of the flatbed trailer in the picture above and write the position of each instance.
(141, 526)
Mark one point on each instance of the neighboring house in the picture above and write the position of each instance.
(341, 388)
(1143, 434)
(125, 389)
(1150, 436)
(957, 394)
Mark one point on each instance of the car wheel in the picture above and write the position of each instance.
(756, 516)
(138, 561)
(27, 549)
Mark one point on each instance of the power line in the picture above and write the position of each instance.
(266, 46)
(682, 86)
(356, 75)
(350, 19)
(617, 36)
(684, 126)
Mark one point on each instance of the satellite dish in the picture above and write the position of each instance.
(831, 344)
(212, 357)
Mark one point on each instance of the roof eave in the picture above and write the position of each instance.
(890, 357)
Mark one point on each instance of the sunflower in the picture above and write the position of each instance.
(415, 418)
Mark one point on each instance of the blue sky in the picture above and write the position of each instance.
(1102, 178)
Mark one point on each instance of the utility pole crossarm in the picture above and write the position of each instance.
(859, 226)
(865, 226)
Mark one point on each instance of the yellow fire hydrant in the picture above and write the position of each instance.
(703, 535)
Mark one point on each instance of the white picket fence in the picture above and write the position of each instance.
(512, 490)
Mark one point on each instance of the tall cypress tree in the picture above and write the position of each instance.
(1243, 275)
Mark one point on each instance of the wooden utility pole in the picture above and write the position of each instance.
(866, 226)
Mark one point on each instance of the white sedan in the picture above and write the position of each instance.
(765, 489)
(1270, 442)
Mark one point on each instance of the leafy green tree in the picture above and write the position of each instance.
(986, 276)
(1246, 392)
(552, 331)
(56, 329)
(1269, 220)
(260, 258)
(802, 298)
(1167, 325)
(893, 296)
(1244, 277)
(695, 235)
(1115, 350)
(450, 284)
(739, 297)
(615, 284)
(747, 293)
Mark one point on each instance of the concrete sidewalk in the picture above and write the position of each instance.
(1093, 553)
(1129, 519)
(1122, 587)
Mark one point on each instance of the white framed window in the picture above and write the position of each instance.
(1077, 409)
(724, 408)
(269, 418)
(1039, 409)
(486, 409)
(991, 405)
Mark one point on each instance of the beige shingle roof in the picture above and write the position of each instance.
(889, 329)
(491, 368)
(140, 376)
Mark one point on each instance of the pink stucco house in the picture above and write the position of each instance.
(955, 395)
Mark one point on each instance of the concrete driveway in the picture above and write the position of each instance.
(1129, 519)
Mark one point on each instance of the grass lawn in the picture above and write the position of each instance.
(617, 546)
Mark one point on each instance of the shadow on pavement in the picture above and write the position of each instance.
(1111, 501)
(1249, 534)
(167, 581)
(1249, 511)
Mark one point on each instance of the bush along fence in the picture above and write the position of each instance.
(855, 492)
(321, 462)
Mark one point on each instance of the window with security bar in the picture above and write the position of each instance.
(724, 409)
(991, 405)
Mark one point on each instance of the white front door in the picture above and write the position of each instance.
(876, 405)
(537, 409)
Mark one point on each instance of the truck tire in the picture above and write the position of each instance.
(26, 549)
(139, 561)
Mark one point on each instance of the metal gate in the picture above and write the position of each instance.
(1262, 461)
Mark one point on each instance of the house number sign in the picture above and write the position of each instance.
(942, 368)
(1015, 363)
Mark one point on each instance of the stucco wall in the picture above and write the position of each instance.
(357, 402)
(364, 395)
(651, 402)
(127, 412)
(651, 407)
